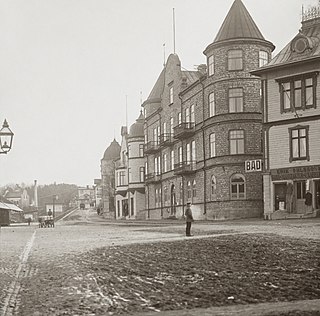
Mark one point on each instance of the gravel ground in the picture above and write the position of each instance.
(185, 274)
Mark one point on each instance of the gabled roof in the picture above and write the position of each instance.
(238, 24)
(157, 89)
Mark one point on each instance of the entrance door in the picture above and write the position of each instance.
(173, 201)
(280, 190)
(300, 194)
(317, 194)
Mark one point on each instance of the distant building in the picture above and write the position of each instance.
(18, 196)
(98, 193)
(86, 196)
(130, 173)
(202, 126)
(291, 124)
(108, 179)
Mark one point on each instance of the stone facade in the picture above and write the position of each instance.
(201, 126)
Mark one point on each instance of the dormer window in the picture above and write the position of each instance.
(235, 59)
(211, 65)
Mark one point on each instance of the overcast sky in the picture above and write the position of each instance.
(66, 67)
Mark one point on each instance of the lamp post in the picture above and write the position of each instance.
(6, 137)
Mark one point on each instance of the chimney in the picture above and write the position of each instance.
(35, 194)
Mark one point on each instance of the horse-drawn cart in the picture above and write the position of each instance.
(46, 221)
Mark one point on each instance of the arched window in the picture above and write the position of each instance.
(194, 189)
(237, 187)
(189, 190)
(213, 187)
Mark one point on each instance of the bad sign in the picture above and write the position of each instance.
(253, 165)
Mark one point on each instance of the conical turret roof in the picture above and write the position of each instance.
(113, 151)
(238, 24)
(137, 128)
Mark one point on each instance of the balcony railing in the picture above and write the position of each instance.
(151, 147)
(184, 130)
(166, 139)
(152, 177)
(185, 167)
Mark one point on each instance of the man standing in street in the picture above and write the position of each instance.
(189, 219)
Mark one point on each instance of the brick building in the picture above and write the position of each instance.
(291, 122)
(201, 126)
(108, 179)
(130, 172)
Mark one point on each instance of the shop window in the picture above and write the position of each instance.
(298, 93)
(237, 184)
(299, 143)
(235, 59)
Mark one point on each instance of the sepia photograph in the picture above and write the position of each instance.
(159, 157)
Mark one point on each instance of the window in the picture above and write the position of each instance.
(298, 93)
(192, 113)
(132, 206)
(193, 151)
(188, 153)
(156, 196)
(141, 150)
(235, 59)
(189, 190)
(146, 167)
(179, 118)
(187, 112)
(212, 107)
(164, 131)
(172, 159)
(213, 187)
(129, 175)
(171, 125)
(155, 135)
(129, 151)
(263, 58)
(171, 95)
(165, 193)
(181, 192)
(180, 157)
(118, 208)
(235, 100)
(236, 141)
(165, 162)
(299, 147)
(212, 140)
(194, 189)
(142, 174)
(211, 65)
(122, 178)
(237, 184)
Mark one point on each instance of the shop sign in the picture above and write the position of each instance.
(253, 165)
(296, 173)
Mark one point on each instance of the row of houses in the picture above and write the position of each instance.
(238, 137)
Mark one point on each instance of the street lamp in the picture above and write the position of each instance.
(6, 137)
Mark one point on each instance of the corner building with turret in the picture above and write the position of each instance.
(202, 126)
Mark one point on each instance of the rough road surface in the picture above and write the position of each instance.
(87, 266)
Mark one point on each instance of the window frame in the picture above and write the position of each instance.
(212, 144)
(212, 104)
(292, 90)
(262, 60)
(211, 65)
(213, 186)
(238, 196)
(237, 139)
(170, 94)
(299, 138)
(233, 66)
(141, 150)
(235, 98)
